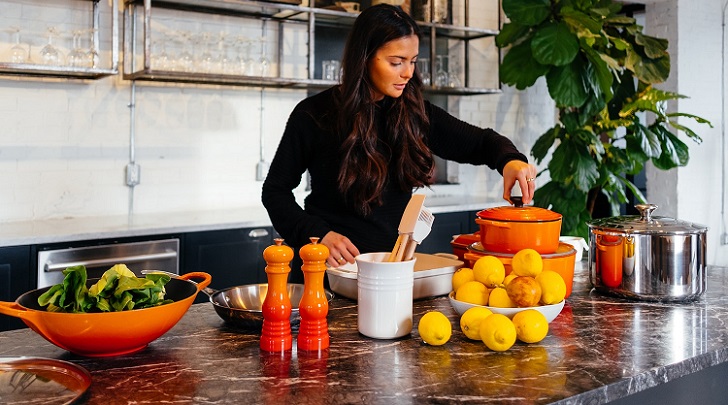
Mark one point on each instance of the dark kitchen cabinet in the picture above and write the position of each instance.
(232, 256)
(447, 225)
(14, 280)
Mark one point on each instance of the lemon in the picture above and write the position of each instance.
(461, 276)
(498, 332)
(531, 326)
(527, 262)
(489, 270)
(553, 287)
(471, 319)
(499, 298)
(508, 279)
(472, 292)
(435, 328)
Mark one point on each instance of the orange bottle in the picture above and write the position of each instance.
(276, 334)
(313, 334)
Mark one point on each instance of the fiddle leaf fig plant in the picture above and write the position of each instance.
(600, 69)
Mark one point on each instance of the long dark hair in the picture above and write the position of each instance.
(367, 153)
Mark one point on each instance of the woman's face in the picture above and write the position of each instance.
(393, 65)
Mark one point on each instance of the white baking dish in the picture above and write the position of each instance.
(433, 277)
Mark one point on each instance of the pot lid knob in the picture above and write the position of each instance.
(517, 201)
(646, 211)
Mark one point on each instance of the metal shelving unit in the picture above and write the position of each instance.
(138, 64)
(110, 67)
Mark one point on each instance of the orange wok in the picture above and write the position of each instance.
(104, 334)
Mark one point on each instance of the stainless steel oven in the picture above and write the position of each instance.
(152, 255)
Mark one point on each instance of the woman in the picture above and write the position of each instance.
(368, 142)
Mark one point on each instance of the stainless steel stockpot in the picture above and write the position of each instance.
(647, 258)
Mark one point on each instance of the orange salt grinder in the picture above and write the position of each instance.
(276, 334)
(313, 333)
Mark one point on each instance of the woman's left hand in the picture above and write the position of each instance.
(525, 174)
(341, 250)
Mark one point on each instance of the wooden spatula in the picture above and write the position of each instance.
(407, 226)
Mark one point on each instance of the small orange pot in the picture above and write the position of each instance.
(509, 229)
(561, 261)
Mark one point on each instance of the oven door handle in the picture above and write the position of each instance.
(50, 267)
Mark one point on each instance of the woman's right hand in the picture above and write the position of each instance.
(341, 250)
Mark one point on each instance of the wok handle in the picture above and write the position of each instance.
(206, 279)
(16, 310)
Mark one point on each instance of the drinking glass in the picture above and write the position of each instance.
(164, 59)
(263, 61)
(206, 60)
(441, 76)
(226, 64)
(18, 54)
(423, 66)
(49, 53)
(92, 55)
(330, 70)
(453, 74)
(185, 62)
(77, 56)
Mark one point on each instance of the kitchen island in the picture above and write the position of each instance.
(599, 349)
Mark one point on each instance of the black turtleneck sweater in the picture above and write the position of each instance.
(308, 144)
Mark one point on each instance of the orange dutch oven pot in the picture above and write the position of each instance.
(509, 229)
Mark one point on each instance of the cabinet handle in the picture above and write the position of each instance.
(258, 233)
(50, 267)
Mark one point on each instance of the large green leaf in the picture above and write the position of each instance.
(554, 44)
(674, 151)
(580, 21)
(519, 68)
(619, 20)
(566, 84)
(511, 33)
(544, 142)
(653, 47)
(527, 12)
(646, 140)
(565, 200)
(570, 164)
(646, 69)
(689, 132)
(602, 73)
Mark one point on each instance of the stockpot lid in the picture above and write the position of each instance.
(519, 213)
(645, 223)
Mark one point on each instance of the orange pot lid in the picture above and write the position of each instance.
(519, 214)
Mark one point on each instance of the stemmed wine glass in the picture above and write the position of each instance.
(18, 54)
(93, 54)
(263, 61)
(49, 53)
(441, 77)
(77, 56)
(163, 58)
(226, 64)
(423, 65)
(454, 74)
(206, 60)
(186, 60)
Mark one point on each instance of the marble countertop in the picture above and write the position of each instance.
(597, 350)
(119, 226)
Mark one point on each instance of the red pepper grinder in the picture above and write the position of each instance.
(313, 333)
(276, 335)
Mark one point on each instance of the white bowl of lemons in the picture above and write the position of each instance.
(528, 286)
(549, 311)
